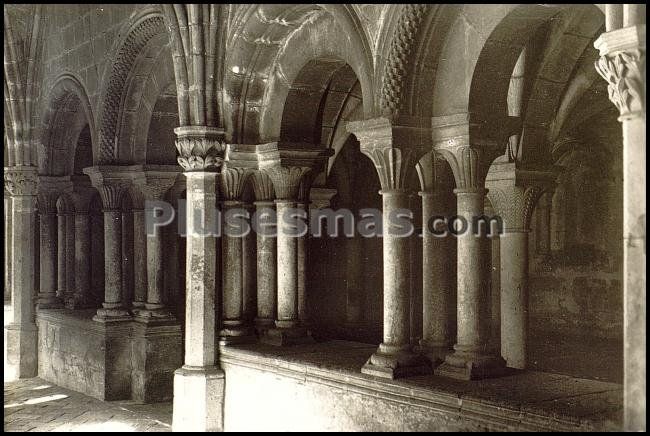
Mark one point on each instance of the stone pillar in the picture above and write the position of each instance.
(21, 334)
(47, 296)
(81, 297)
(622, 64)
(494, 248)
(472, 357)
(62, 291)
(513, 193)
(288, 329)
(70, 257)
(111, 182)
(140, 284)
(249, 248)
(8, 232)
(394, 358)
(199, 383)
(235, 328)
(543, 237)
(302, 252)
(437, 261)
(266, 252)
(127, 250)
(153, 184)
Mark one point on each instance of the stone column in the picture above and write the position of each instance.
(111, 182)
(266, 252)
(8, 253)
(437, 261)
(62, 291)
(249, 248)
(543, 239)
(47, 295)
(21, 334)
(127, 250)
(235, 329)
(394, 358)
(622, 64)
(302, 250)
(513, 193)
(494, 248)
(199, 383)
(153, 184)
(81, 297)
(70, 257)
(472, 357)
(140, 284)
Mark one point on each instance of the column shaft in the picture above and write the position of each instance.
(48, 262)
(266, 269)
(139, 259)
(61, 291)
(82, 255)
(70, 273)
(302, 250)
(287, 270)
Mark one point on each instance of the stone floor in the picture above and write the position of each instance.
(36, 405)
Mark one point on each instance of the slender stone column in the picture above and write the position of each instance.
(302, 249)
(513, 194)
(82, 249)
(438, 288)
(472, 357)
(495, 282)
(153, 184)
(21, 334)
(127, 251)
(199, 383)
(266, 252)
(288, 329)
(140, 284)
(622, 64)
(543, 237)
(394, 357)
(111, 182)
(47, 296)
(8, 252)
(235, 329)
(62, 289)
(249, 248)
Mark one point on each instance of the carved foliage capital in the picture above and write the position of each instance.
(392, 165)
(47, 202)
(21, 180)
(262, 186)
(466, 164)
(111, 195)
(286, 180)
(515, 205)
(232, 182)
(624, 72)
(200, 149)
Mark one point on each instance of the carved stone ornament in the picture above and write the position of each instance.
(200, 148)
(21, 180)
(625, 75)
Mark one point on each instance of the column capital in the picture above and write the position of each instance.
(286, 180)
(514, 192)
(153, 181)
(433, 172)
(232, 181)
(298, 166)
(393, 149)
(111, 181)
(200, 148)
(81, 197)
(622, 65)
(321, 198)
(21, 180)
(262, 186)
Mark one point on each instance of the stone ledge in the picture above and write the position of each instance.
(532, 403)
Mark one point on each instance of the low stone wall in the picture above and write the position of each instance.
(316, 391)
(111, 361)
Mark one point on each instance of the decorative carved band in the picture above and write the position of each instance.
(399, 56)
(21, 180)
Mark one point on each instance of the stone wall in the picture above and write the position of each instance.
(109, 361)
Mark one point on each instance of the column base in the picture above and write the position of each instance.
(77, 302)
(235, 332)
(198, 399)
(263, 324)
(287, 336)
(435, 354)
(471, 366)
(112, 315)
(392, 364)
(48, 302)
(21, 359)
(153, 316)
